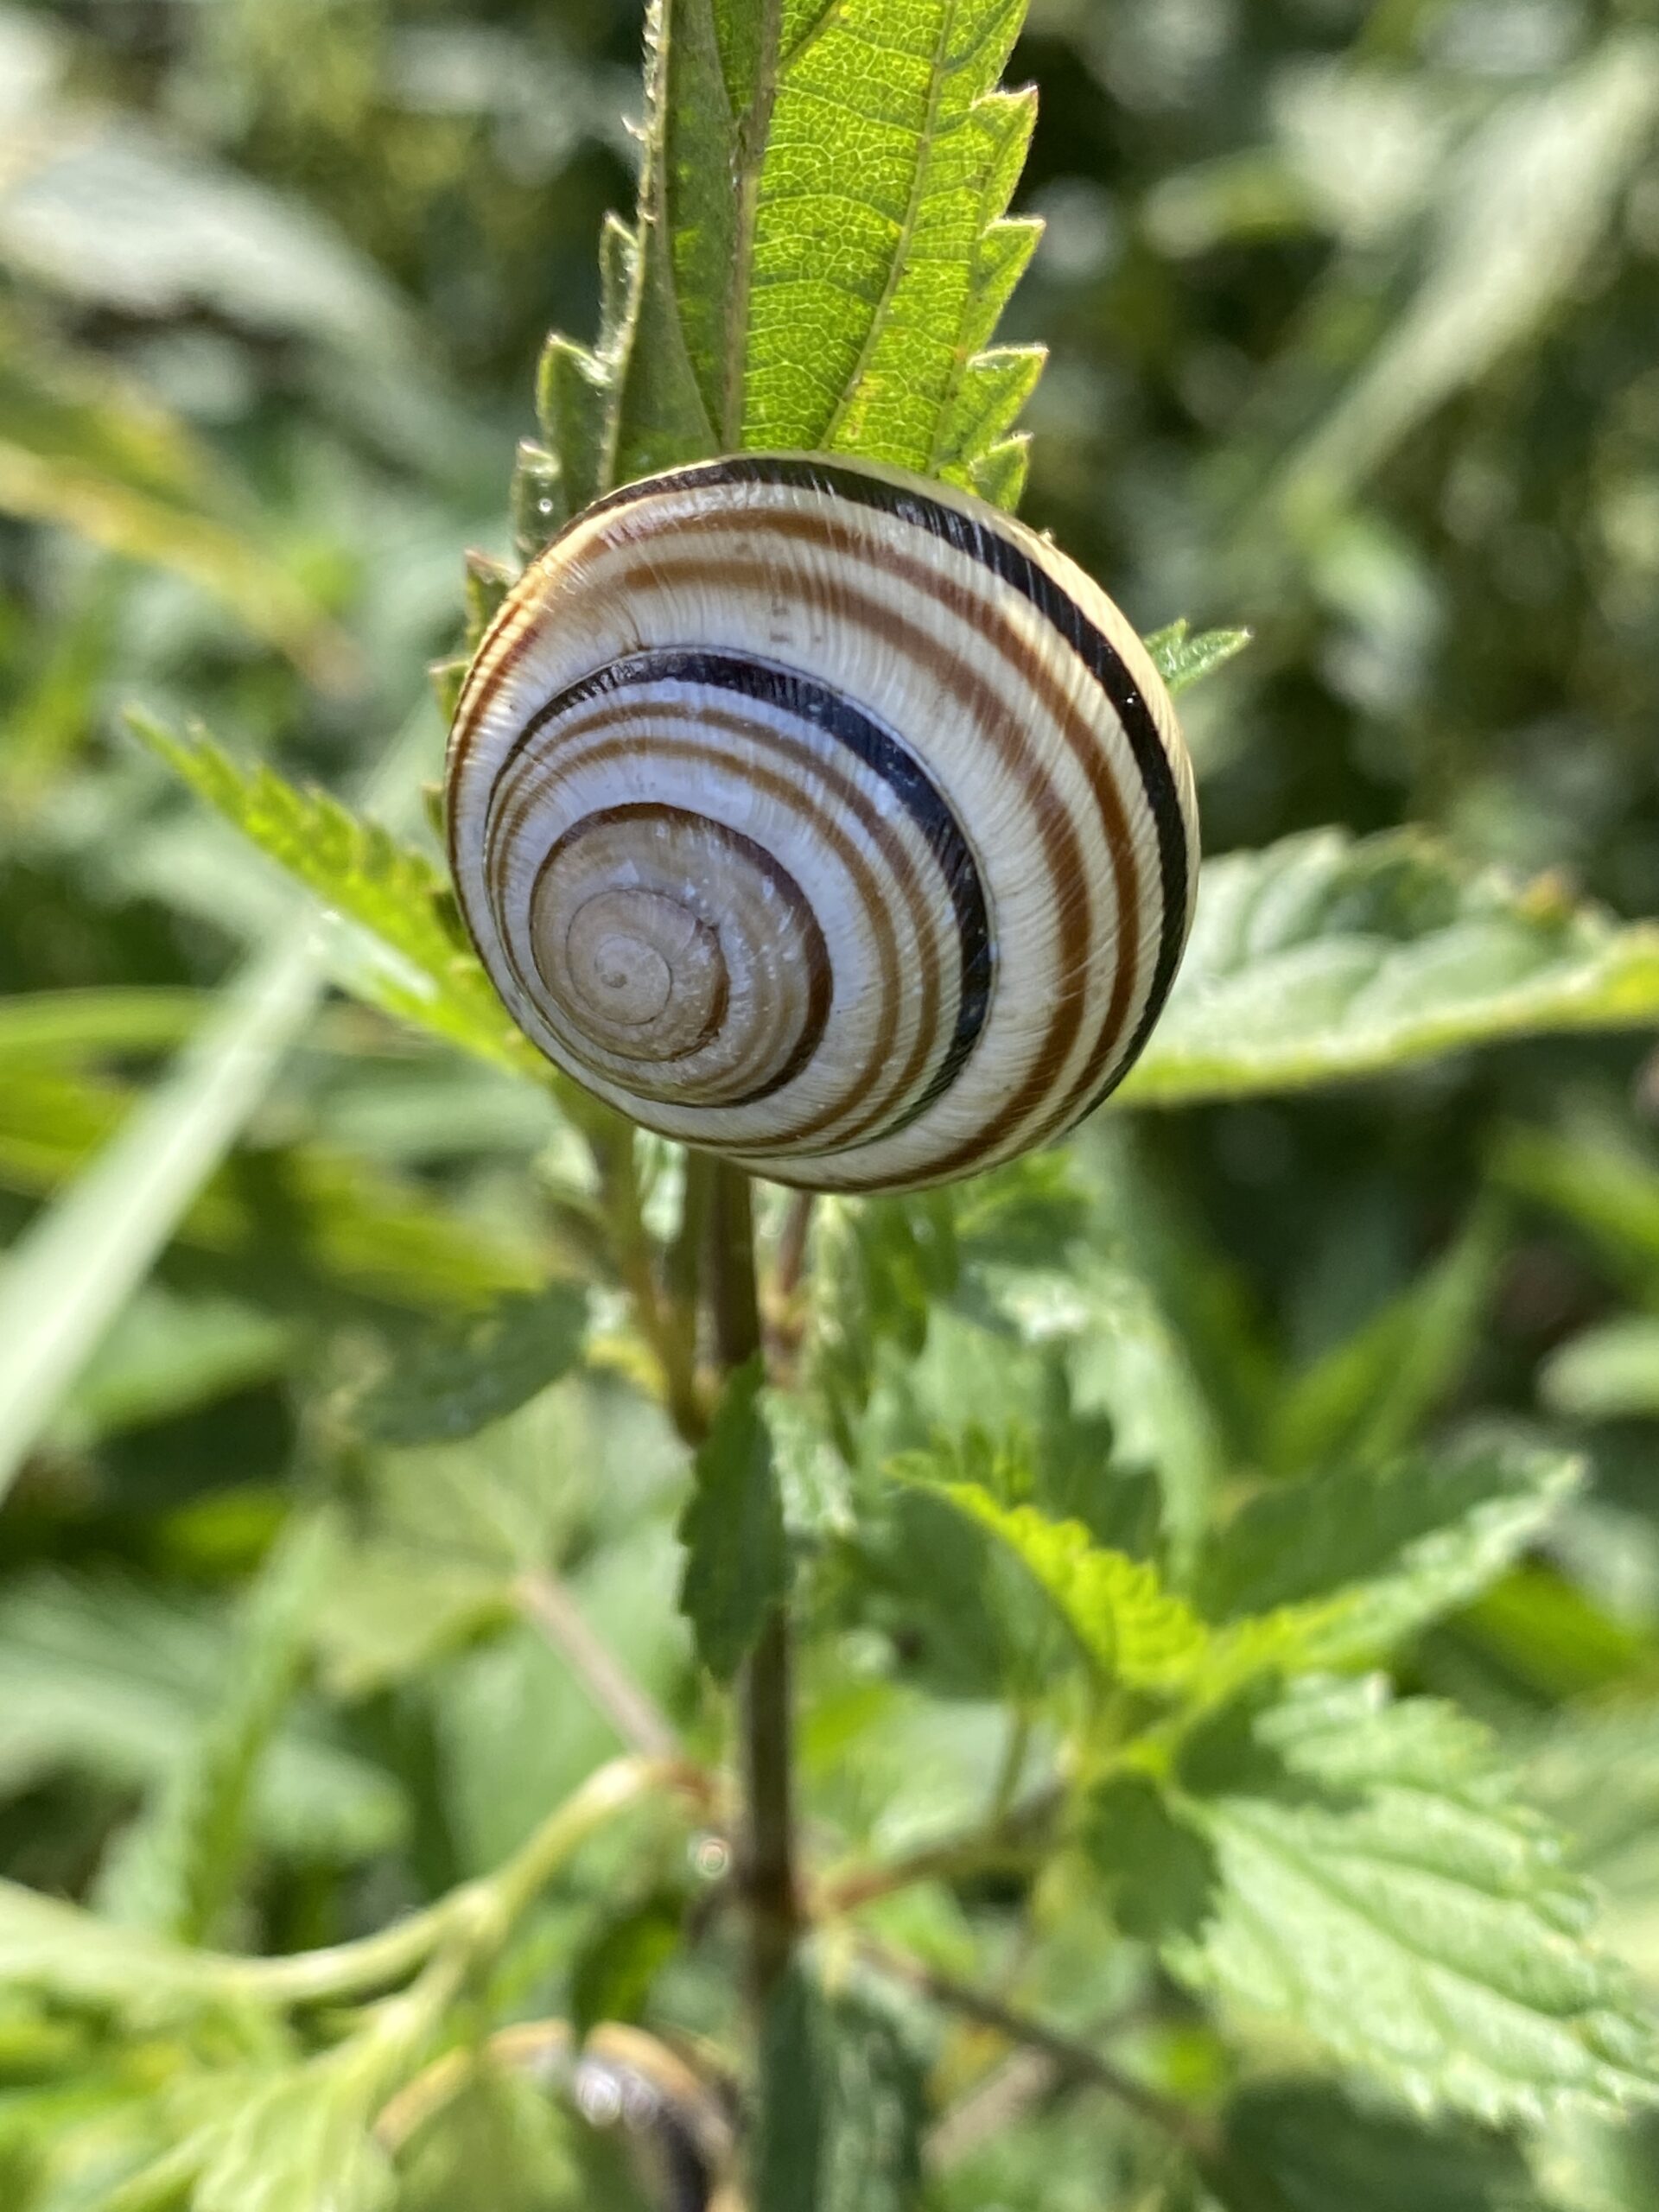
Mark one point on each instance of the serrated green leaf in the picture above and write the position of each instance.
(1183, 660)
(176, 1869)
(1128, 1627)
(1326, 958)
(422, 972)
(1338, 1569)
(825, 252)
(736, 1555)
(1375, 1890)
(890, 156)
(1303, 2146)
(843, 2100)
(475, 1369)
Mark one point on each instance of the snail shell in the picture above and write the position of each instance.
(822, 818)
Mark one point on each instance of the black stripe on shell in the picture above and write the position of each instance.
(785, 690)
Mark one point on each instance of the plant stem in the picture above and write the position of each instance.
(1012, 1843)
(767, 1871)
(626, 1704)
(1077, 2062)
(784, 1321)
(766, 1875)
(481, 1915)
(791, 1246)
(732, 1300)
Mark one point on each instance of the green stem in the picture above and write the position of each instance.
(766, 1868)
(479, 1917)
(1073, 2060)
(733, 1298)
(1013, 1843)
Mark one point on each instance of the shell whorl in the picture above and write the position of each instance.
(824, 817)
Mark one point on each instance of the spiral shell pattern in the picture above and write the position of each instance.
(822, 818)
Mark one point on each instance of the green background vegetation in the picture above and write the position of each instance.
(341, 1554)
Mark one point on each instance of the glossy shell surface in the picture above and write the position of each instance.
(822, 818)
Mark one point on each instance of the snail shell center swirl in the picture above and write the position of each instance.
(629, 956)
(673, 946)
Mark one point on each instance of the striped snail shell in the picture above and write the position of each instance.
(825, 818)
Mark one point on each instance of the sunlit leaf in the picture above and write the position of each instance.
(1325, 957)
(1343, 1566)
(825, 251)
(362, 873)
(1129, 1628)
(1361, 1877)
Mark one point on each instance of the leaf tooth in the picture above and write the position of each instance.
(1004, 250)
(998, 474)
(995, 386)
(1004, 121)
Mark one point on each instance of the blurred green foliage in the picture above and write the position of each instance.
(348, 1522)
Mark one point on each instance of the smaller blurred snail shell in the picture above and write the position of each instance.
(824, 817)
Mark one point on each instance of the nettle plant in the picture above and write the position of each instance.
(1034, 1824)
